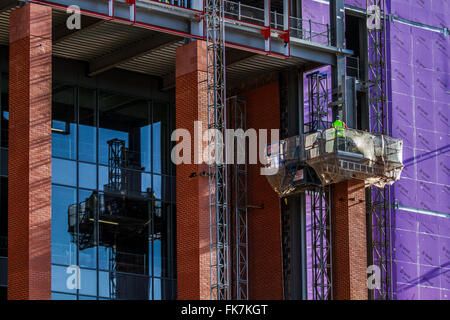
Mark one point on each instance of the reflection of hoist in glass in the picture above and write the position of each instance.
(120, 219)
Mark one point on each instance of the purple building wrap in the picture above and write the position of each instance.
(419, 66)
(420, 97)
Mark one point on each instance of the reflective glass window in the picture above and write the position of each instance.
(87, 214)
(4, 111)
(64, 226)
(161, 137)
(87, 175)
(64, 279)
(87, 125)
(88, 282)
(64, 123)
(111, 213)
(64, 172)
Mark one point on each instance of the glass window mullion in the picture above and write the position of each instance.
(152, 211)
(77, 120)
(97, 121)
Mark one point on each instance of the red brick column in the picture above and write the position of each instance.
(264, 226)
(349, 241)
(193, 272)
(29, 181)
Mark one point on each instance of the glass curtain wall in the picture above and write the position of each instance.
(113, 196)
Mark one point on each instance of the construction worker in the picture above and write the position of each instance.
(340, 127)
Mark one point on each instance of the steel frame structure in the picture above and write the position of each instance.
(322, 288)
(379, 215)
(112, 273)
(239, 201)
(321, 253)
(220, 271)
(285, 215)
(185, 22)
(318, 101)
(115, 164)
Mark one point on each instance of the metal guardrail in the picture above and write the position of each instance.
(304, 29)
(335, 155)
(308, 30)
(373, 148)
(178, 3)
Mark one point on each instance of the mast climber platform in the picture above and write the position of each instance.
(374, 158)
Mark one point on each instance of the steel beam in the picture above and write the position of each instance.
(174, 20)
(127, 53)
(61, 32)
(8, 4)
(232, 58)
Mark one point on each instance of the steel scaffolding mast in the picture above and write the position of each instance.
(220, 271)
(116, 156)
(320, 196)
(318, 101)
(379, 215)
(322, 288)
(237, 107)
(112, 272)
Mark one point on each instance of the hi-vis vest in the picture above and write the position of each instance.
(339, 125)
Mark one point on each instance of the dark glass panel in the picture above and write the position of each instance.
(126, 181)
(132, 286)
(64, 127)
(123, 236)
(4, 111)
(161, 137)
(88, 207)
(164, 240)
(4, 217)
(87, 125)
(125, 119)
(157, 186)
(3, 293)
(165, 289)
(168, 240)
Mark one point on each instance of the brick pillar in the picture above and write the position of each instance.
(29, 181)
(349, 241)
(264, 225)
(193, 272)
